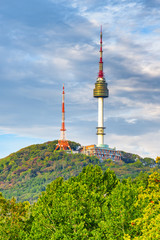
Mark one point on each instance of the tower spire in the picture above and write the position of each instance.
(100, 75)
(62, 142)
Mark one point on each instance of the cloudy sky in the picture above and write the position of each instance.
(45, 43)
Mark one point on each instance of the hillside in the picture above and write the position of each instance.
(26, 173)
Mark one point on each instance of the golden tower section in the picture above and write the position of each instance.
(101, 89)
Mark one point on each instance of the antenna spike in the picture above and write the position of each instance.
(101, 74)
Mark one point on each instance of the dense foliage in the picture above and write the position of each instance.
(26, 173)
(94, 205)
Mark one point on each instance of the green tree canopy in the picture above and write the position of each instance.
(15, 219)
(73, 209)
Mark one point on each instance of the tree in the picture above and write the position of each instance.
(119, 210)
(73, 209)
(15, 221)
(148, 162)
(147, 225)
(157, 159)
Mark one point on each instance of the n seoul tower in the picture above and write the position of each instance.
(101, 150)
(101, 91)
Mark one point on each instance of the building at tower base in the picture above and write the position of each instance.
(101, 152)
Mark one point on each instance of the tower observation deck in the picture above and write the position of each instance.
(101, 91)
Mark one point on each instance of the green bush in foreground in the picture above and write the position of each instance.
(94, 205)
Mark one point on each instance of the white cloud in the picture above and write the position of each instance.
(42, 132)
(135, 109)
(131, 120)
(146, 145)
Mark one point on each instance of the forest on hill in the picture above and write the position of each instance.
(94, 205)
(26, 173)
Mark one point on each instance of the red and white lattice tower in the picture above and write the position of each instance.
(62, 142)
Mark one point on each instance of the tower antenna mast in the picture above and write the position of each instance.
(62, 142)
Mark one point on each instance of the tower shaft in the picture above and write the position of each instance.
(100, 128)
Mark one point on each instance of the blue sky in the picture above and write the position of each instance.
(45, 43)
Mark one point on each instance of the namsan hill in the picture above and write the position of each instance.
(26, 173)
